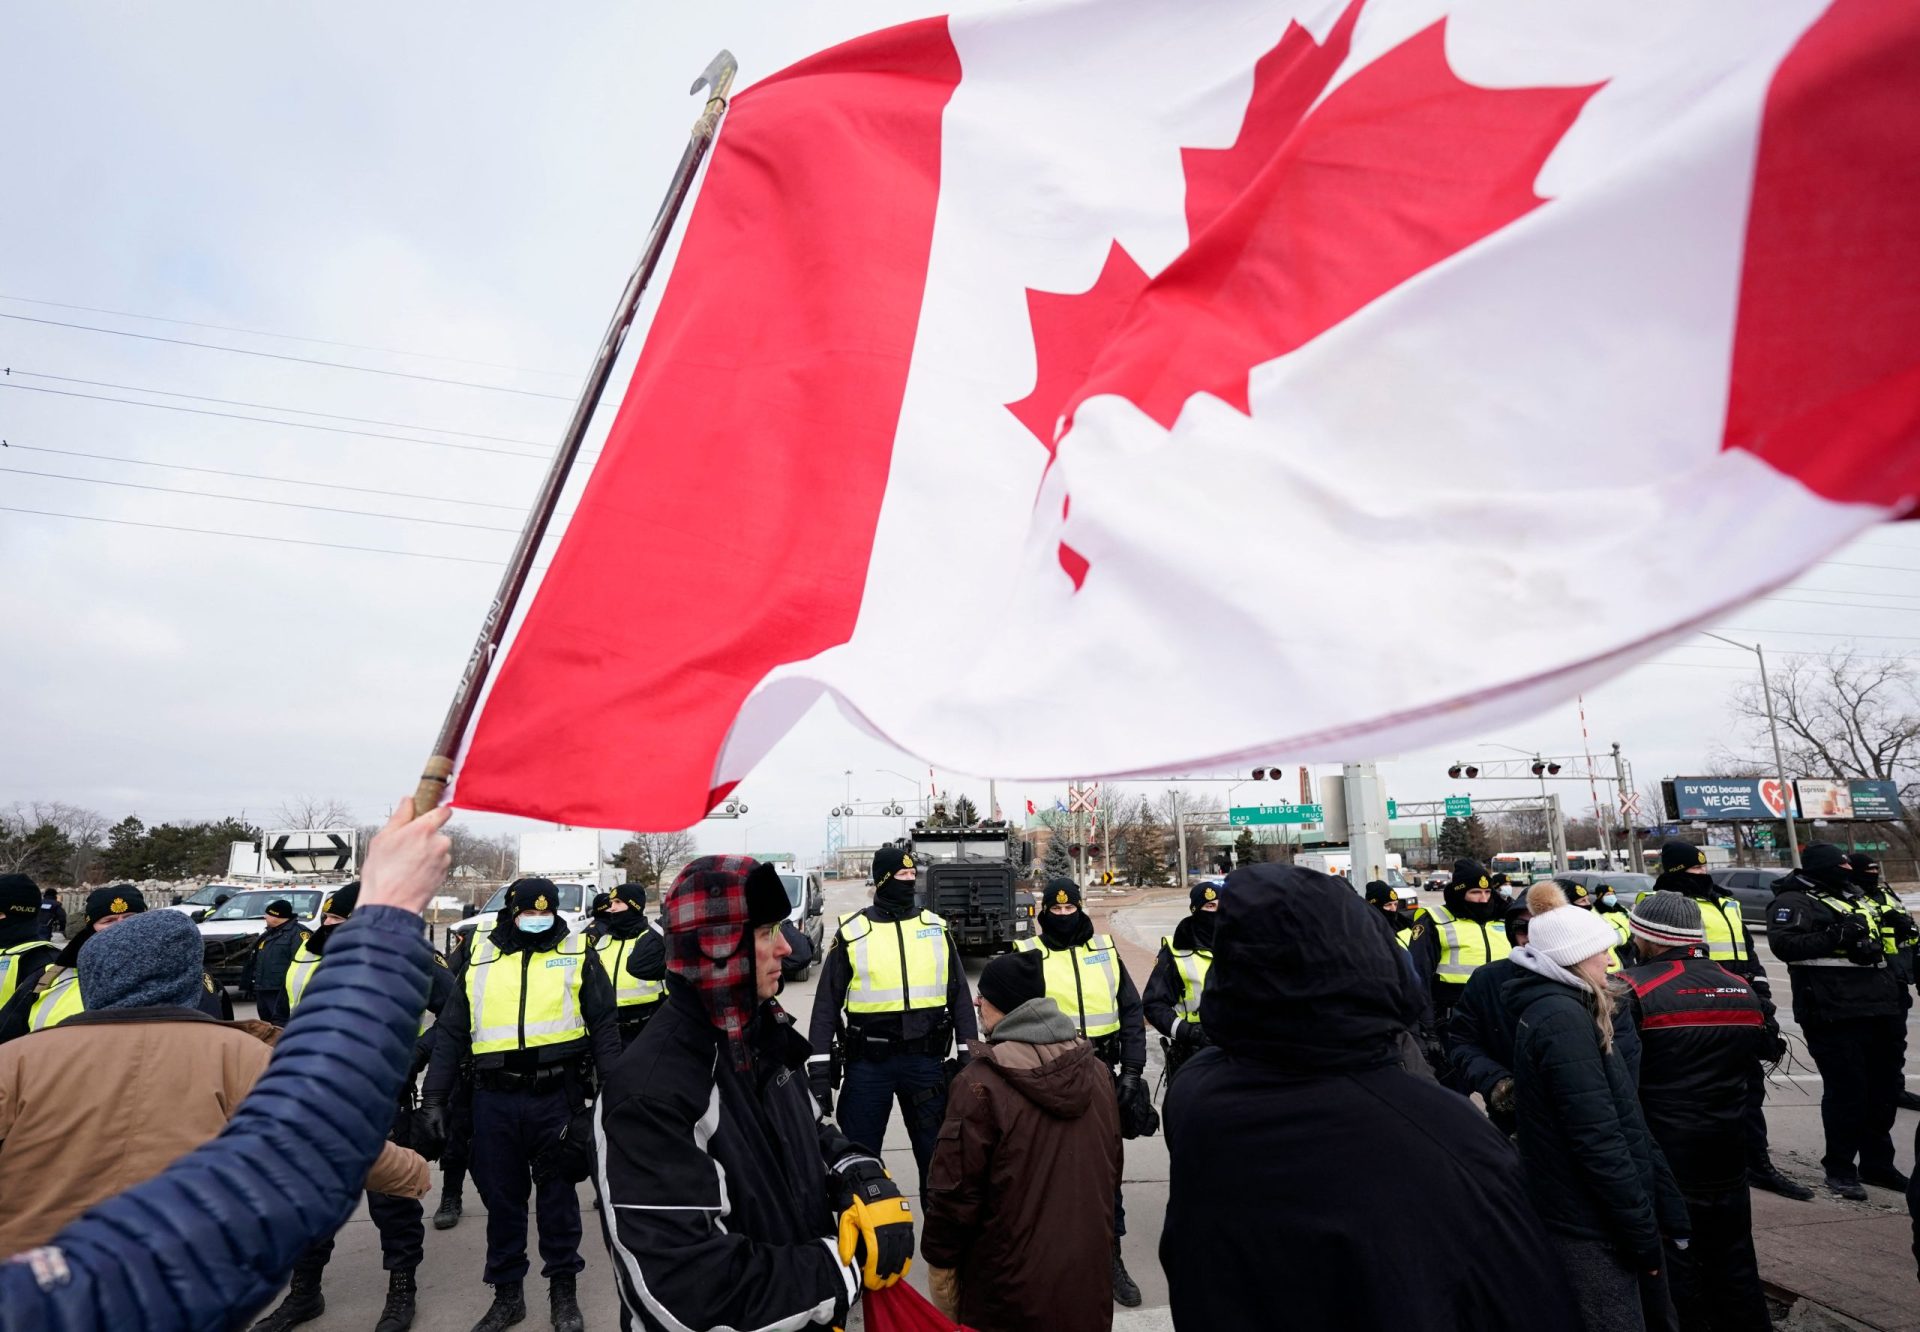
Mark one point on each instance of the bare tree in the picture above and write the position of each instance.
(52, 838)
(309, 812)
(649, 857)
(1842, 716)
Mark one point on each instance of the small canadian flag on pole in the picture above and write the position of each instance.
(1594, 320)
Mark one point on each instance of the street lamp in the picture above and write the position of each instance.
(746, 832)
(1773, 726)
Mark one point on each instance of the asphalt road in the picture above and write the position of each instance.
(452, 1297)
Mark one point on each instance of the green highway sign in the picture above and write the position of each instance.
(1459, 807)
(1763, 836)
(1393, 809)
(1242, 815)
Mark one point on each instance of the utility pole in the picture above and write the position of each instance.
(1633, 833)
(1366, 832)
(1779, 763)
(1180, 842)
(1556, 830)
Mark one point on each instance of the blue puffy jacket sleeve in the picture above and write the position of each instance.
(208, 1241)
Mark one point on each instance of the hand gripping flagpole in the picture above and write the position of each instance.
(718, 80)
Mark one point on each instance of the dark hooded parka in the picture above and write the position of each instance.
(1314, 1183)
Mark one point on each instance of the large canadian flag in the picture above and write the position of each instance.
(1071, 391)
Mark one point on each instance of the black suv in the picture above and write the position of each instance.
(1752, 888)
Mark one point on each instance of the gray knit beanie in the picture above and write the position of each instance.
(1667, 918)
(144, 961)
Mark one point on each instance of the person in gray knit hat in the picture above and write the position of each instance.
(147, 961)
(1701, 1029)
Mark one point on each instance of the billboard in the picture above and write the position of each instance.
(1822, 799)
(1875, 800)
(1728, 798)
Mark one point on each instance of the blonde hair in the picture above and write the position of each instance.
(1603, 1004)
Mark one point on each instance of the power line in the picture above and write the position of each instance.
(1883, 568)
(283, 356)
(254, 499)
(249, 536)
(257, 476)
(1817, 633)
(267, 420)
(290, 337)
(1851, 592)
(267, 407)
(1850, 605)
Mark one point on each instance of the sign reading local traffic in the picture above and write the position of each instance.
(1459, 807)
(1242, 815)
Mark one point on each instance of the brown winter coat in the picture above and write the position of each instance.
(111, 1097)
(1020, 1189)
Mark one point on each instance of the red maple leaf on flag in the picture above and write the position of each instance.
(1312, 213)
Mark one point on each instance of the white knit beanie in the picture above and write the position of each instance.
(1570, 935)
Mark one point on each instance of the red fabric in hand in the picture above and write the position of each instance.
(901, 1308)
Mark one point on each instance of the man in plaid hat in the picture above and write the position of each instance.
(726, 1200)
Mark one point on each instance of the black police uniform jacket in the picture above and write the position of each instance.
(714, 1183)
(272, 954)
(1797, 931)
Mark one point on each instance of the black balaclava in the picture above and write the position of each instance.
(1865, 872)
(1062, 932)
(1470, 874)
(19, 910)
(1826, 865)
(340, 902)
(632, 922)
(892, 895)
(1200, 927)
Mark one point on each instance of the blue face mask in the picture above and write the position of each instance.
(1609, 900)
(534, 924)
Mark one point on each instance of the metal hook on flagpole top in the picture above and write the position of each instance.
(717, 79)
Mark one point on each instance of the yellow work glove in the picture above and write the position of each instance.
(876, 1223)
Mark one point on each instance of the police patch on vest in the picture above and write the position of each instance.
(1783, 915)
(561, 961)
(930, 932)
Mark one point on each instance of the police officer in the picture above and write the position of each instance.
(457, 1154)
(1683, 869)
(1613, 916)
(894, 971)
(55, 994)
(266, 970)
(1089, 982)
(634, 956)
(1900, 936)
(535, 1013)
(1404, 915)
(1463, 934)
(24, 951)
(1850, 1006)
(53, 916)
(403, 1234)
(1172, 1000)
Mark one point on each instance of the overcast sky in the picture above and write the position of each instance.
(458, 191)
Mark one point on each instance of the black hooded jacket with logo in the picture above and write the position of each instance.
(1798, 920)
(1301, 1100)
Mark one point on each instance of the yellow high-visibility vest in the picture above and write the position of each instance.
(1466, 945)
(547, 1013)
(1884, 904)
(10, 961)
(897, 964)
(1617, 922)
(627, 991)
(1720, 917)
(1192, 965)
(300, 972)
(1084, 981)
(57, 1002)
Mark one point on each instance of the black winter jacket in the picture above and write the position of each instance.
(1479, 1033)
(1313, 1183)
(1799, 926)
(1704, 891)
(1701, 1029)
(1160, 1001)
(271, 955)
(1593, 1169)
(714, 1183)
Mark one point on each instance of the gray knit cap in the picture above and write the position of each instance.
(1667, 918)
(146, 960)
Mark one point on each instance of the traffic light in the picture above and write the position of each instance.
(1462, 769)
(1259, 774)
(1551, 769)
(1454, 772)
